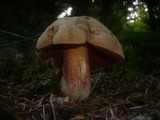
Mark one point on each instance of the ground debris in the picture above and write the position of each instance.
(57, 108)
(140, 102)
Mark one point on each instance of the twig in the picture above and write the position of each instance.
(33, 117)
(38, 102)
(17, 35)
(138, 107)
(112, 115)
(106, 116)
(43, 115)
(96, 81)
(53, 110)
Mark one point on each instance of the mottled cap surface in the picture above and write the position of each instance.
(104, 49)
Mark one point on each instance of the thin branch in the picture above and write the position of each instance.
(44, 115)
(33, 117)
(138, 107)
(113, 117)
(99, 75)
(17, 35)
(53, 110)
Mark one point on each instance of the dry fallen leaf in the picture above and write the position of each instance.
(81, 117)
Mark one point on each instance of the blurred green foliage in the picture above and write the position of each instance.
(141, 50)
(140, 23)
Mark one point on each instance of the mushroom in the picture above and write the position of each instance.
(78, 45)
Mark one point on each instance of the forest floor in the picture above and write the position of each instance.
(129, 101)
(124, 93)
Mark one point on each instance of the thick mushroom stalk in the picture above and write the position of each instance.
(76, 82)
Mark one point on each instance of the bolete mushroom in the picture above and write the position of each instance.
(78, 45)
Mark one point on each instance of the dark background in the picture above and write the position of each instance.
(22, 22)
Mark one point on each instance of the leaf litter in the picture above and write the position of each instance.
(139, 101)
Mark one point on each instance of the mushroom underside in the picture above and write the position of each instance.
(98, 57)
(75, 62)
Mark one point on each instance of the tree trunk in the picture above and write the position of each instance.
(152, 20)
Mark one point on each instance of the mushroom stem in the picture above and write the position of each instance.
(76, 82)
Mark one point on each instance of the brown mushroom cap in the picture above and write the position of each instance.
(69, 32)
